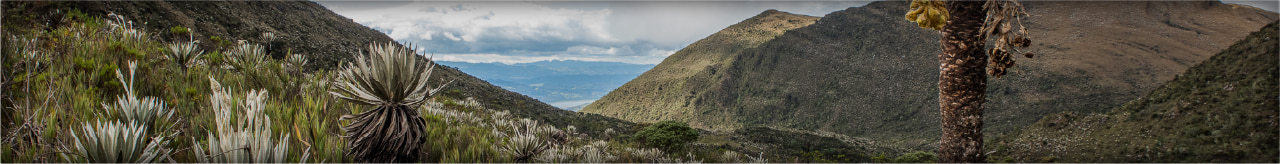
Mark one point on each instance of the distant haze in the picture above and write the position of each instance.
(562, 84)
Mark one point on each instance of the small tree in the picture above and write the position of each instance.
(669, 136)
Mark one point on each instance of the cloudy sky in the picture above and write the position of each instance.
(641, 32)
(522, 32)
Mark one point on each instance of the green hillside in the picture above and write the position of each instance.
(1221, 110)
(867, 72)
(668, 89)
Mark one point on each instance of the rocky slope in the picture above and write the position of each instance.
(867, 72)
(1221, 110)
(306, 28)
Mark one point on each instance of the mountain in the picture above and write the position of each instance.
(692, 69)
(1221, 110)
(304, 27)
(867, 72)
(561, 83)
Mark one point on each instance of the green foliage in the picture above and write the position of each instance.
(179, 30)
(670, 136)
(917, 157)
(881, 158)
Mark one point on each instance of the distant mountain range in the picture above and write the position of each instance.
(560, 83)
(868, 72)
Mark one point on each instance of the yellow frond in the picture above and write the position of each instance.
(931, 14)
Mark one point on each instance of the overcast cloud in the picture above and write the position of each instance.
(524, 32)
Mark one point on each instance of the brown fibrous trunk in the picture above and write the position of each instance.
(962, 83)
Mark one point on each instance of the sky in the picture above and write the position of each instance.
(638, 32)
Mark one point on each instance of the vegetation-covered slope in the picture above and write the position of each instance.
(59, 60)
(1222, 110)
(300, 27)
(867, 72)
(667, 89)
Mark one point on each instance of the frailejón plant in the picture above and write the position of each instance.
(391, 78)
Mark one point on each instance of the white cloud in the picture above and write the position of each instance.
(523, 32)
(514, 59)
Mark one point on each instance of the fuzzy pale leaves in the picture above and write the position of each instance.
(146, 111)
(928, 14)
(247, 137)
(388, 75)
(117, 142)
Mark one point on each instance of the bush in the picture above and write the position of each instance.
(669, 136)
(179, 30)
(917, 157)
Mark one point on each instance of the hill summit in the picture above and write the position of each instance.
(867, 72)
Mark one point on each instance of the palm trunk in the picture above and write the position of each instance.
(963, 83)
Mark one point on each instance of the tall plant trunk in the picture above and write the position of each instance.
(963, 83)
(387, 134)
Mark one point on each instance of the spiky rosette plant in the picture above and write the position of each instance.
(246, 138)
(116, 142)
(147, 111)
(391, 78)
(184, 54)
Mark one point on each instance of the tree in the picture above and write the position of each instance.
(391, 79)
(668, 135)
(962, 84)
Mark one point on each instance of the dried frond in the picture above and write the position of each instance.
(386, 134)
(184, 54)
(1002, 18)
(117, 142)
(558, 137)
(129, 107)
(388, 75)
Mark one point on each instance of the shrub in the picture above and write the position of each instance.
(917, 157)
(179, 30)
(669, 136)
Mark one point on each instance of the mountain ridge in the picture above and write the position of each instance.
(1221, 110)
(839, 75)
(705, 57)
